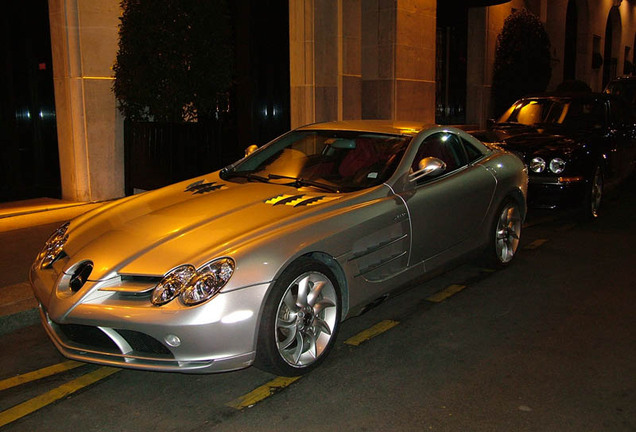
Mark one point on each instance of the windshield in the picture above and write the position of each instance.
(589, 113)
(336, 161)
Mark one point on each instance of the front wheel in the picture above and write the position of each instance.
(504, 235)
(300, 319)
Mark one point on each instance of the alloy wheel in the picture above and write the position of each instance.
(306, 319)
(507, 233)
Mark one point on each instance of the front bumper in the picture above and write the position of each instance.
(216, 336)
(553, 193)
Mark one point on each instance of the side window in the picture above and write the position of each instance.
(444, 146)
(471, 152)
(586, 114)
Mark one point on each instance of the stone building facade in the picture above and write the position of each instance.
(349, 59)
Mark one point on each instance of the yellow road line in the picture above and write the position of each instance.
(446, 293)
(487, 270)
(371, 332)
(535, 244)
(262, 392)
(58, 393)
(279, 383)
(39, 374)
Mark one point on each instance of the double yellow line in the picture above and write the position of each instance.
(277, 384)
(32, 405)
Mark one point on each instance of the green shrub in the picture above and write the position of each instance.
(522, 60)
(174, 59)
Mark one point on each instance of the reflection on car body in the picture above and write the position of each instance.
(259, 262)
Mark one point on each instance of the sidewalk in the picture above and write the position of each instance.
(24, 227)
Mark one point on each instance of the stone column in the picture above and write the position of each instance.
(398, 59)
(478, 83)
(90, 130)
(314, 43)
(352, 59)
(326, 55)
(301, 62)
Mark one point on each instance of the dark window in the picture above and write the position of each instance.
(586, 114)
(471, 152)
(444, 146)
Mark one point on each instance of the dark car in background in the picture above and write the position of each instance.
(624, 87)
(575, 146)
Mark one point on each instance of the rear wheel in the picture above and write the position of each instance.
(300, 320)
(505, 234)
(593, 195)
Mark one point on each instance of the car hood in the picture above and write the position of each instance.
(188, 222)
(528, 141)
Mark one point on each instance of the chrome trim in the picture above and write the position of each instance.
(376, 248)
(380, 264)
(117, 339)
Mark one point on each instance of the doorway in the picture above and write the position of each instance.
(450, 62)
(612, 45)
(569, 60)
(29, 162)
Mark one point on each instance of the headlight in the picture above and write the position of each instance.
(557, 165)
(209, 280)
(537, 165)
(172, 284)
(193, 286)
(53, 246)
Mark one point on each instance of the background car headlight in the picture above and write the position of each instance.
(208, 282)
(172, 284)
(537, 165)
(53, 246)
(557, 165)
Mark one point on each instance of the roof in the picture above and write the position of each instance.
(568, 95)
(624, 78)
(393, 127)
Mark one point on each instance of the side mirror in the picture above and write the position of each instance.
(251, 149)
(427, 167)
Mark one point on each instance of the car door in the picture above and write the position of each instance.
(622, 133)
(447, 209)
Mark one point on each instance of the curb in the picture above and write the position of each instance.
(19, 307)
(18, 320)
(42, 216)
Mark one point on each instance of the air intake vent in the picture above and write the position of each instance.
(201, 187)
(300, 200)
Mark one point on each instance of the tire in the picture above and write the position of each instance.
(301, 319)
(593, 195)
(505, 234)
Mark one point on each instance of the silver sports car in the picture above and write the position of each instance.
(260, 262)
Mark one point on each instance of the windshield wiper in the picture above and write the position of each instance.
(545, 124)
(509, 123)
(246, 175)
(299, 181)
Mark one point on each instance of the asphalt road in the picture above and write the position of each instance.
(548, 344)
